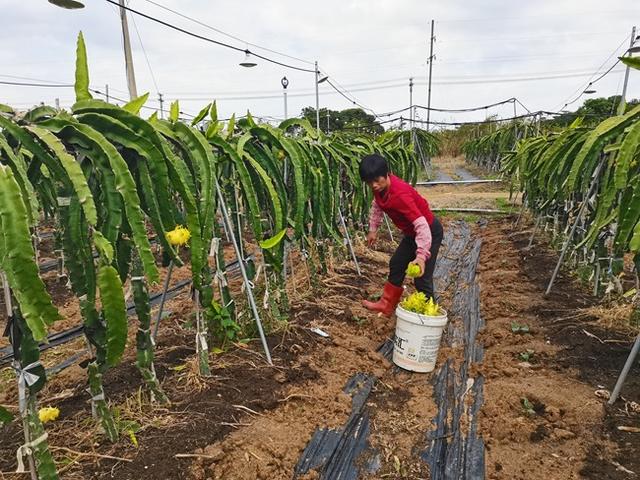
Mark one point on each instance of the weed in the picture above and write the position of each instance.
(519, 328)
(526, 355)
(527, 406)
(504, 204)
(359, 321)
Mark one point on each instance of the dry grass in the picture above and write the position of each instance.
(614, 316)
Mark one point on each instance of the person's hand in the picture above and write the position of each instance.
(420, 262)
(372, 238)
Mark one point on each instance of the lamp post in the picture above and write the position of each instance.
(128, 56)
(285, 84)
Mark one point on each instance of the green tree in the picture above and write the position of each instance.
(594, 110)
(354, 119)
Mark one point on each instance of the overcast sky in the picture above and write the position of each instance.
(369, 47)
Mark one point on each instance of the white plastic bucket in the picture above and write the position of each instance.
(417, 340)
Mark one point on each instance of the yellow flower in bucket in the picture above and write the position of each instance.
(417, 302)
(178, 236)
(48, 414)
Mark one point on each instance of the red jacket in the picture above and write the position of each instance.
(404, 205)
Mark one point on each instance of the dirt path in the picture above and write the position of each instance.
(487, 195)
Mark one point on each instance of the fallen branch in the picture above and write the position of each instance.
(254, 455)
(295, 395)
(97, 455)
(589, 334)
(195, 455)
(247, 409)
(235, 425)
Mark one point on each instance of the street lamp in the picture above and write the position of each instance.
(285, 83)
(248, 60)
(68, 4)
(589, 92)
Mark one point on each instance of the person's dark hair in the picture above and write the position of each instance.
(372, 167)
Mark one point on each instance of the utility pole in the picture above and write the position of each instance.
(106, 92)
(57, 104)
(411, 102)
(430, 61)
(327, 121)
(622, 103)
(161, 101)
(128, 57)
(317, 74)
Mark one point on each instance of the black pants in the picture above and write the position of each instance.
(406, 253)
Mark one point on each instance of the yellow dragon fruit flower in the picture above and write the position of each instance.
(48, 414)
(178, 236)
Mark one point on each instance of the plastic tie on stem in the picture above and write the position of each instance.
(221, 278)
(95, 398)
(215, 245)
(25, 378)
(27, 450)
(202, 342)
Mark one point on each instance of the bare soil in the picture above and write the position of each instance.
(252, 421)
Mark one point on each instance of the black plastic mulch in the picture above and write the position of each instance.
(345, 453)
(451, 453)
(454, 453)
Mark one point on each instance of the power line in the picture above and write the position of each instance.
(32, 79)
(247, 51)
(210, 40)
(447, 79)
(452, 110)
(227, 34)
(591, 83)
(397, 85)
(28, 84)
(566, 101)
(477, 122)
(352, 100)
(144, 51)
(98, 92)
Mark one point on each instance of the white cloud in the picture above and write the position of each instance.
(355, 41)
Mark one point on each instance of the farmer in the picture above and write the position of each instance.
(411, 214)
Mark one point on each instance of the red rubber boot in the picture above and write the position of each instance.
(388, 302)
